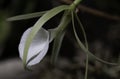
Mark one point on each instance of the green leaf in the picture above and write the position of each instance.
(26, 16)
(47, 16)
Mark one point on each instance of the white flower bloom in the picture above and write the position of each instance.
(38, 47)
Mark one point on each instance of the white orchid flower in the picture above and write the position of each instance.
(38, 47)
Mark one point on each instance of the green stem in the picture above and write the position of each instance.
(59, 36)
(64, 21)
(61, 28)
(86, 44)
(76, 2)
(67, 15)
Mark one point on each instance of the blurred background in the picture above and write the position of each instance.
(101, 21)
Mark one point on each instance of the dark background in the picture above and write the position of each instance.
(103, 37)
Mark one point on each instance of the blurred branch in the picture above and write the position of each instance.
(93, 11)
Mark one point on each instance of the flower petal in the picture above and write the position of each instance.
(39, 45)
(40, 56)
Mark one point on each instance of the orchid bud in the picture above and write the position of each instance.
(38, 48)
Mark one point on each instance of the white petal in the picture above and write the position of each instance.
(39, 44)
(40, 56)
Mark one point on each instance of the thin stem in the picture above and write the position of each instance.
(61, 27)
(74, 4)
(86, 44)
(87, 51)
(86, 68)
(83, 31)
(59, 36)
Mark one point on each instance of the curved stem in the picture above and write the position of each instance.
(87, 51)
(59, 35)
(86, 44)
